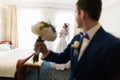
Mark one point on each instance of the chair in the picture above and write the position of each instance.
(30, 64)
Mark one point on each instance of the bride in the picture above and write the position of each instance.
(62, 44)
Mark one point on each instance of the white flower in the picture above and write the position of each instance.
(44, 30)
(49, 35)
(76, 44)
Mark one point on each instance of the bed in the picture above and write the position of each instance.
(12, 60)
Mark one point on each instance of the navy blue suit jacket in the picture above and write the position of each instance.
(100, 60)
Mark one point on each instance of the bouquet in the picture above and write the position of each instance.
(45, 31)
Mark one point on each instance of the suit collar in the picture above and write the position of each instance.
(92, 31)
(95, 41)
(97, 38)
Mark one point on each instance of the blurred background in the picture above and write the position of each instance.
(17, 17)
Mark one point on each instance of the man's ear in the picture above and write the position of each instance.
(82, 14)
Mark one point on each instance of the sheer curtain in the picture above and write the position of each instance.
(1, 23)
(27, 16)
(11, 25)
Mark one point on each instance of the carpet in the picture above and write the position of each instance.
(46, 73)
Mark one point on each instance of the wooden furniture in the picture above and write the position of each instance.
(19, 75)
(23, 64)
(6, 42)
(30, 64)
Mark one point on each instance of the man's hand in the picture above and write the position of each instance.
(41, 46)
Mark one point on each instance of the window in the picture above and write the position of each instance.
(29, 16)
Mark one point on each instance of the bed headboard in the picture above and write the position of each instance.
(6, 42)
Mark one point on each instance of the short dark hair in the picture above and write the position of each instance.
(92, 7)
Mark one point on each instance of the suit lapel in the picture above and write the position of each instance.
(97, 38)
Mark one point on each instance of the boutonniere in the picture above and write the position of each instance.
(76, 45)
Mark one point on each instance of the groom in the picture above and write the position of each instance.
(99, 56)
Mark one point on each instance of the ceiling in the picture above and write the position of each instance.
(67, 3)
(53, 1)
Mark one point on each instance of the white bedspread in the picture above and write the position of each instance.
(9, 59)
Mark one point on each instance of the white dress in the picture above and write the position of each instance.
(62, 44)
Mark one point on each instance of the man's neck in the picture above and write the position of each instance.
(88, 25)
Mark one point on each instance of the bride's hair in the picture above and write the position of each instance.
(66, 27)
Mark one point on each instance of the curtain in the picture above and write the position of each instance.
(11, 33)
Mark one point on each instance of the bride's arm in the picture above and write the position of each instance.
(63, 31)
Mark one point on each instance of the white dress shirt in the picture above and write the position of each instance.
(85, 43)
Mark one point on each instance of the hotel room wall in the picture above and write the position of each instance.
(57, 16)
(110, 18)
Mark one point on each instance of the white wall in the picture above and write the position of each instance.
(32, 15)
(110, 18)
(26, 3)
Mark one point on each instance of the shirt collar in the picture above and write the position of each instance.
(92, 31)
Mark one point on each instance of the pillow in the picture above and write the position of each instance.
(4, 47)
